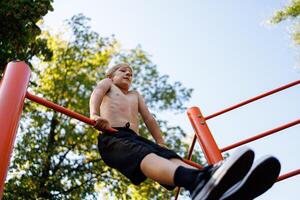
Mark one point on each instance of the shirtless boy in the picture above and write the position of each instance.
(113, 104)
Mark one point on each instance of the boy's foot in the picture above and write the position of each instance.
(221, 176)
(261, 177)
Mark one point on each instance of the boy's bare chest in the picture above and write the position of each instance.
(117, 97)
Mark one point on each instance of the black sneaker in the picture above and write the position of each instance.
(224, 175)
(261, 177)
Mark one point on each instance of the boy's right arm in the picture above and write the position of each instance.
(95, 101)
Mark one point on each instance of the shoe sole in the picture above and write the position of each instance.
(229, 173)
(261, 177)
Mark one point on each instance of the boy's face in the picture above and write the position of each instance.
(122, 77)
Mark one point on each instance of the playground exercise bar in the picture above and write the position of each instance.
(189, 162)
(264, 134)
(206, 140)
(244, 103)
(61, 109)
(191, 148)
(13, 91)
(253, 99)
(12, 94)
(197, 120)
(288, 175)
(80, 117)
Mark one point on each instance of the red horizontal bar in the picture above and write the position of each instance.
(288, 175)
(253, 99)
(264, 134)
(61, 109)
(189, 162)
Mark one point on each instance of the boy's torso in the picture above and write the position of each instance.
(119, 108)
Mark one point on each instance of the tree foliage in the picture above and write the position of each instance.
(55, 156)
(292, 12)
(19, 30)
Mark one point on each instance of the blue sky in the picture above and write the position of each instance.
(226, 51)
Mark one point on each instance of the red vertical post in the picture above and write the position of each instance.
(204, 136)
(12, 94)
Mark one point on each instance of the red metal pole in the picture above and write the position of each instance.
(253, 99)
(264, 134)
(12, 94)
(192, 147)
(189, 162)
(288, 175)
(203, 134)
(206, 140)
(63, 110)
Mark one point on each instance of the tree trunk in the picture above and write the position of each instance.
(44, 190)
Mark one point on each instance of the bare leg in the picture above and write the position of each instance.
(160, 169)
(181, 163)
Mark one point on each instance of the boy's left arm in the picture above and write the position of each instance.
(150, 121)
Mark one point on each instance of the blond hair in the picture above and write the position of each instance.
(111, 70)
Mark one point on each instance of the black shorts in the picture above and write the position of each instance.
(124, 151)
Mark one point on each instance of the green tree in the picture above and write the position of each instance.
(19, 30)
(55, 156)
(291, 11)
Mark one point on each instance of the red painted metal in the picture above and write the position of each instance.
(204, 136)
(209, 146)
(192, 148)
(63, 110)
(12, 94)
(191, 163)
(288, 175)
(177, 193)
(253, 99)
(239, 105)
(264, 134)
(188, 161)
(16, 79)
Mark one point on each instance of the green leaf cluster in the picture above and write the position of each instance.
(292, 12)
(56, 157)
(19, 30)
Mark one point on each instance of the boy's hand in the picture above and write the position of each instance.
(101, 123)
